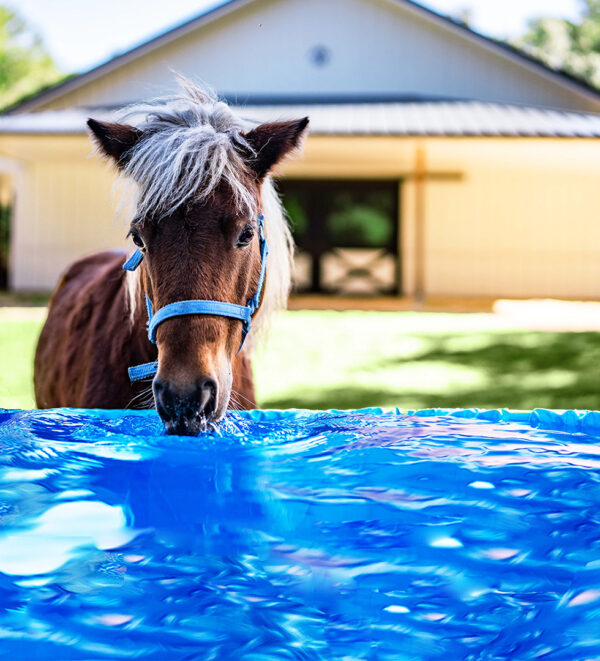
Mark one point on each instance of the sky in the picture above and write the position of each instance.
(80, 34)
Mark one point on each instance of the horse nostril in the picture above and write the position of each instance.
(163, 397)
(208, 396)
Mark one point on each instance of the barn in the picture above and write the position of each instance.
(440, 162)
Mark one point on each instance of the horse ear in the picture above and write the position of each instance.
(114, 140)
(271, 142)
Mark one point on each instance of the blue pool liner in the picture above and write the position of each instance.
(372, 534)
(575, 420)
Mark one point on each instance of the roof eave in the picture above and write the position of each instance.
(357, 134)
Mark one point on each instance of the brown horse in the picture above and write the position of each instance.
(201, 176)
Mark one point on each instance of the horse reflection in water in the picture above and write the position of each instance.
(203, 185)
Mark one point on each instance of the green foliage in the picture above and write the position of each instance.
(297, 215)
(346, 215)
(25, 66)
(568, 46)
(360, 225)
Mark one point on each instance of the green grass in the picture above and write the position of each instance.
(410, 360)
(17, 346)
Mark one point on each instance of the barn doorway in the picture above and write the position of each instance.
(6, 207)
(346, 233)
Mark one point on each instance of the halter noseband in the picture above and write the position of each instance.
(219, 308)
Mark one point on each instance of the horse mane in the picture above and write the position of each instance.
(191, 144)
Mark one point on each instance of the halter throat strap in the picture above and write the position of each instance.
(243, 313)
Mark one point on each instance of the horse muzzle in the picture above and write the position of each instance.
(186, 413)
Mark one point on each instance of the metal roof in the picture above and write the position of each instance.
(452, 118)
(445, 118)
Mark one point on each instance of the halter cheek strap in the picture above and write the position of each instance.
(242, 313)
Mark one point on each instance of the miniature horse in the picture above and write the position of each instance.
(202, 182)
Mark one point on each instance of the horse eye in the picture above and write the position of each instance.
(137, 239)
(246, 236)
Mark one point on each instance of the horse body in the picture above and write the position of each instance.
(205, 208)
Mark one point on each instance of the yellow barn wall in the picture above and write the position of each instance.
(64, 209)
(523, 221)
(510, 217)
(503, 217)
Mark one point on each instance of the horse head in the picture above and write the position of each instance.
(202, 179)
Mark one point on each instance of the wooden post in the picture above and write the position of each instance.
(419, 258)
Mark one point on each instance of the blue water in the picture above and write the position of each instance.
(337, 535)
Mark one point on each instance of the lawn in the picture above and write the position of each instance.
(405, 359)
(18, 337)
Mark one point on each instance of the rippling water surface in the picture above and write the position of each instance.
(337, 535)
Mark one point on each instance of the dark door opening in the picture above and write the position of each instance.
(6, 209)
(5, 218)
(346, 234)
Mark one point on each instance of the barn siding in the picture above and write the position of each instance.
(63, 211)
(504, 217)
(377, 47)
(524, 222)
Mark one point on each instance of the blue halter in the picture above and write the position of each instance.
(219, 308)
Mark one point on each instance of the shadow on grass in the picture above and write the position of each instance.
(520, 370)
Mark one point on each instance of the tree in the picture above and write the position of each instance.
(25, 66)
(573, 47)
